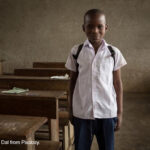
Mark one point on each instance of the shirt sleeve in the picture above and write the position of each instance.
(71, 62)
(119, 60)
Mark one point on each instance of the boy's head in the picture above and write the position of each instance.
(94, 25)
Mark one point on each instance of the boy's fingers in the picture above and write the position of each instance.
(118, 124)
(117, 127)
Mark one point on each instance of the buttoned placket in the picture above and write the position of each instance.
(99, 52)
(90, 47)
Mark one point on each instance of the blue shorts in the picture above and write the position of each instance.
(85, 129)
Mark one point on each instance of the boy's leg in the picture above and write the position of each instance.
(83, 133)
(105, 133)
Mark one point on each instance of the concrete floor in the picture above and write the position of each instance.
(135, 131)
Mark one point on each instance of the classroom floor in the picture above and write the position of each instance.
(135, 131)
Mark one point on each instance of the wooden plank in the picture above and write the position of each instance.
(48, 64)
(37, 93)
(53, 125)
(19, 129)
(16, 147)
(33, 83)
(1, 70)
(44, 131)
(64, 118)
(48, 145)
(28, 105)
(66, 139)
(41, 72)
(13, 127)
(71, 134)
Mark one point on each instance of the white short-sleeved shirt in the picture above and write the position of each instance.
(94, 94)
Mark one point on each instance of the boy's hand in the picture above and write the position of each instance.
(119, 122)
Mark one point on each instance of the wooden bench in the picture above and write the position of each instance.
(16, 130)
(48, 64)
(48, 145)
(41, 72)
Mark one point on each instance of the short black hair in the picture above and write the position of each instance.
(93, 12)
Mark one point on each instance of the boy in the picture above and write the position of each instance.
(96, 103)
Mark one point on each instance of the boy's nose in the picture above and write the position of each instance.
(95, 30)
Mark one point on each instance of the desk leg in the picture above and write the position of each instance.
(66, 139)
(54, 129)
(53, 125)
(31, 146)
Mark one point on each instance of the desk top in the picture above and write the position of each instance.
(14, 127)
(33, 83)
(41, 72)
(36, 93)
(45, 69)
(28, 78)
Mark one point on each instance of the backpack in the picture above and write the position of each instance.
(75, 56)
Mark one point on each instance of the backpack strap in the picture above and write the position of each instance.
(75, 56)
(112, 53)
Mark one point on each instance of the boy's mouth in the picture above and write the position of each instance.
(94, 37)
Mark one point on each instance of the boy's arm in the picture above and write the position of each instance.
(73, 78)
(119, 93)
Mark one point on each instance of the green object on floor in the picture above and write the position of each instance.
(15, 90)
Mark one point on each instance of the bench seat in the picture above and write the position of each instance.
(48, 145)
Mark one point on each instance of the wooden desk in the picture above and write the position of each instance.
(48, 64)
(34, 103)
(16, 130)
(36, 83)
(41, 72)
(33, 83)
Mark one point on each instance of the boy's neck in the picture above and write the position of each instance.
(96, 45)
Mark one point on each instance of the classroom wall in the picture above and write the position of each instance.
(45, 30)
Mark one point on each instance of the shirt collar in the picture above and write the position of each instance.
(88, 44)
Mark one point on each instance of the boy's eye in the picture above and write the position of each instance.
(90, 26)
(100, 26)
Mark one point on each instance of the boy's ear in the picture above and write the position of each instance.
(83, 28)
(106, 27)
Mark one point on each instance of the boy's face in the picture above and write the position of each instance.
(95, 27)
